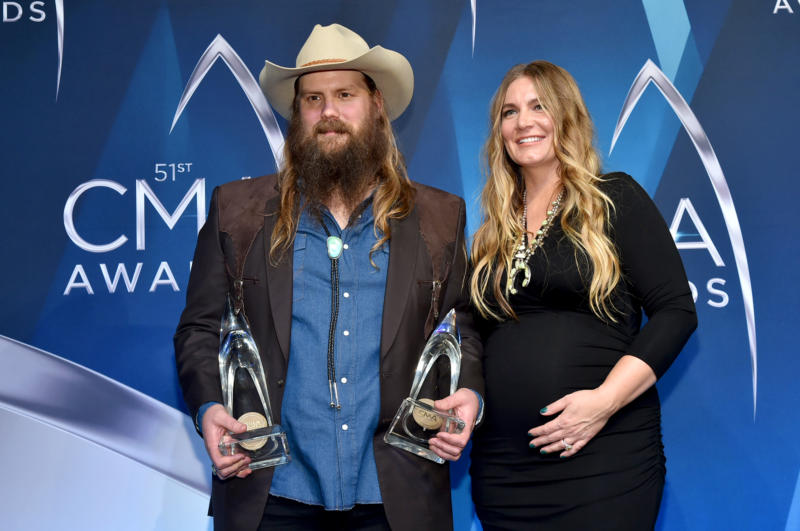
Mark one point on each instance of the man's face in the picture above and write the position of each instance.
(334, 106)
(337, 137)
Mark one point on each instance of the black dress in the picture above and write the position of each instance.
(559, 346)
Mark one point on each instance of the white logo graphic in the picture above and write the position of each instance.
(473, 4)
(783, 5)
(60, 27)
(650, 73)
(220, 49)
(13, 11)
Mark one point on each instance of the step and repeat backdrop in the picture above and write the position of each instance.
(119, 119)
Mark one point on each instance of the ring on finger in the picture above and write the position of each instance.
(215, 470)
(567, 446)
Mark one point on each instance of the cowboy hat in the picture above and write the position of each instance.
(335, 47)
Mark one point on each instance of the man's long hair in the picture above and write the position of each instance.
(393, 198)
(586, 209)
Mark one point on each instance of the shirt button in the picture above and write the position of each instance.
(346, 332)
(346, 246)
(344, 380)
(346, 295)
(345, 427)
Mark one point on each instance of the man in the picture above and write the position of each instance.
(402, 267)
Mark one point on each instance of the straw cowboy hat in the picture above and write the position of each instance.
(335, 47)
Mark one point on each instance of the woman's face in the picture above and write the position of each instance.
(526, 128)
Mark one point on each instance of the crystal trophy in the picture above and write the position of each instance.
(417, 420)
(245, 395)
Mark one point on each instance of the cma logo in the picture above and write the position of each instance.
(650, 73)
(81, 281)
(784, 6)
(144, 195)
(15, 11)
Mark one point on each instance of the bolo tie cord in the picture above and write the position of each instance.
(332, 387)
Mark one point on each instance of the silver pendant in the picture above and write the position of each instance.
(520, 265)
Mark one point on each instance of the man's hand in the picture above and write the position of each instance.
(464, 404)
(216, 424)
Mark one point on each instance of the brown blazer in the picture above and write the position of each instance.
(415, 491)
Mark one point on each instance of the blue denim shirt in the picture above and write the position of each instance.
(332, 459)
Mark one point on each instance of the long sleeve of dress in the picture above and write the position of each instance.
(653, 271)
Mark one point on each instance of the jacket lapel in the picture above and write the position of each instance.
(400, 276)
(279, 282)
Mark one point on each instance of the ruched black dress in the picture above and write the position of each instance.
(559, 346)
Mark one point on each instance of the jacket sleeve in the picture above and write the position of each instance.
(197, 336)
(456, 295)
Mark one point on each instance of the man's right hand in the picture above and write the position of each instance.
(216, 424)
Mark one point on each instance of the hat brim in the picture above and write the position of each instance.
(390, 71)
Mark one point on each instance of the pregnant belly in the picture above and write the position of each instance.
(540, 358)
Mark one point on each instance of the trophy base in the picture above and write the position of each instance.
(417, 421)
(265, 446)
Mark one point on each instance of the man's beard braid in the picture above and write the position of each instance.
(347, 171)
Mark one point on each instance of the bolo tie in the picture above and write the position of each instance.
(334, 244)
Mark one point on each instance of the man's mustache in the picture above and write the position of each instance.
(332, 126)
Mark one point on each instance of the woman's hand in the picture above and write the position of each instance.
(580, 415)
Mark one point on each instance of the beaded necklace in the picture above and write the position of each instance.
(525, 251)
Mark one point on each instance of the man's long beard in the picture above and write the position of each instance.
(345, 172)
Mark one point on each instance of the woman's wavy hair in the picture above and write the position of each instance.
(586, 209)
(393, 199)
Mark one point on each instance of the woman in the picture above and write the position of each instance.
(564, 263)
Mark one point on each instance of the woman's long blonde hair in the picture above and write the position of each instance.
(393, 199)
(586, 209)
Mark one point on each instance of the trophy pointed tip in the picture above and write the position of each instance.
(448, 325)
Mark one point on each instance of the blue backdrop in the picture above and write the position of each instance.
(107, 173)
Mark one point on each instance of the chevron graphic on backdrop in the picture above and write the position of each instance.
(220, 49)
(60, 29)
(96, 408)
(473, 4)
(650, 73)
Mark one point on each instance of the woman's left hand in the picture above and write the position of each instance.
(579, 416)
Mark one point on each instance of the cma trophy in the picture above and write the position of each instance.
(417, 420)
(244, 392)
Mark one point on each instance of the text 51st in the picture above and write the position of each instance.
(168, 170)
